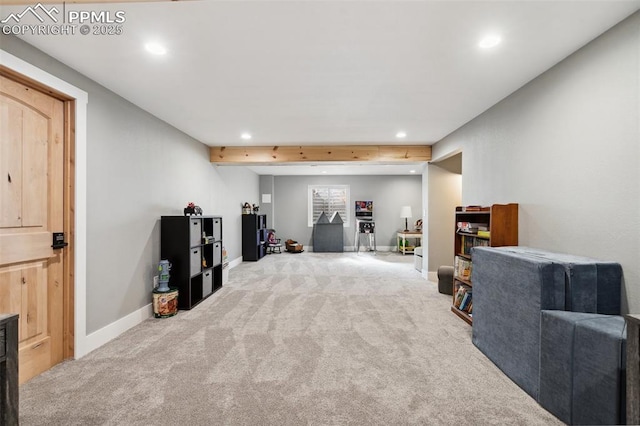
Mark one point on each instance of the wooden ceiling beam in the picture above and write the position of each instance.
(313, 153)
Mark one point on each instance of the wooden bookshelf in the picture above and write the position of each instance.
(501, 223)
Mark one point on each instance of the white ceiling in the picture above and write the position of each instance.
(328, 72)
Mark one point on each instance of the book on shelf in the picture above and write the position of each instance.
(462, 268)
(462, 290)
(471, 227)
(466, 301)
(484, 234)
(468, 242)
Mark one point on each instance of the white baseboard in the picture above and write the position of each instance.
(362, 249)
(365, 248)
(107, 333)
(235, 262)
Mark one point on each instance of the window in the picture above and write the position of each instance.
(328, 199)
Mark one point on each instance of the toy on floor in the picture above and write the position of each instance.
(293, 246)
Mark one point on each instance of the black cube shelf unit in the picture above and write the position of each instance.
(254, 235)
(193, 246)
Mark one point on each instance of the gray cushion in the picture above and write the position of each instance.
(509, 291)
(582, 367)
(590, 285)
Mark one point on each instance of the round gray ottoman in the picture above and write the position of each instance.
(445, 280)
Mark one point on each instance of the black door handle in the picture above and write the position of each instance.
(58, 240)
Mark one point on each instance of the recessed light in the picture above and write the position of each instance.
(245, 136)
(401, 135)
(155, 48)
(412, 171)
(324, 171)
(490, 41)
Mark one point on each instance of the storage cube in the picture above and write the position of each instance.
(196, 260)
(217, 254)
(195, 231)
(207, 283)
(217, 229)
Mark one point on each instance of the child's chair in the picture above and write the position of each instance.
(273, 244)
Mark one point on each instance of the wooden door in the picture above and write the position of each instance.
(31, 208)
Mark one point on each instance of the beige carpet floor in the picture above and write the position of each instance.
(294, 339)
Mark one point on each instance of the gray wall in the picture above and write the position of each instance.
(566, 147)
(444, 194)
(138, 168)
(389, 194)
(426, 247)
(267, 187)
(232, 186)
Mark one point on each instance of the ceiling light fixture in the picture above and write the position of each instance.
(401, 135)
(412, 171)
(155, 48)
(490, 41)
(245, 136)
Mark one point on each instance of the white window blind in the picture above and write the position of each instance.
(328, 199)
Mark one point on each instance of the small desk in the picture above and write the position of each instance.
(404, 236)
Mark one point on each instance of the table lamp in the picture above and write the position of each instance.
(405, 213)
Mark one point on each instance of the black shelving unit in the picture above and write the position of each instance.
(254, 235)
(193, 246)
(9, 404)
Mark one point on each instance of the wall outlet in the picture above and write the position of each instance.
(155, 282)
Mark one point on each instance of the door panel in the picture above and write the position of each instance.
(10, 290)
(34, 171)
(15, 248)
(34, 359)
(32, 207)
(34, 304)
(10, 164)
